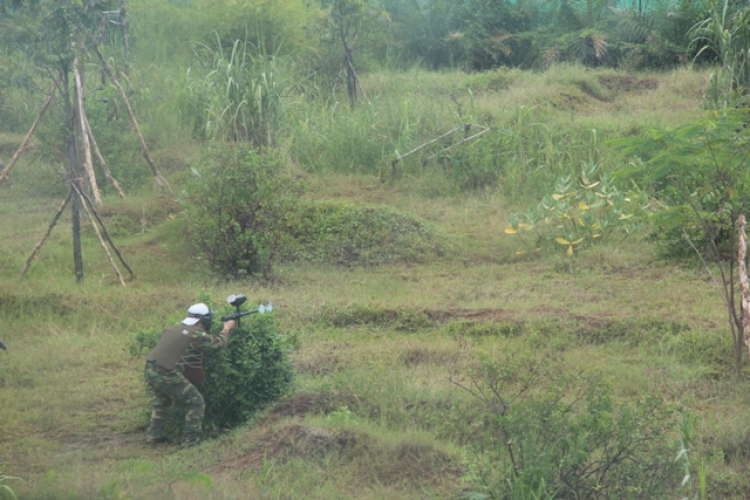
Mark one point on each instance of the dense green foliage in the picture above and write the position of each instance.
(699, 173)
(253, 371)
(236, 209)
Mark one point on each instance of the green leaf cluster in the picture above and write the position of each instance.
(579, 212)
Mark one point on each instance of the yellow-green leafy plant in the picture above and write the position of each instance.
(580, 211)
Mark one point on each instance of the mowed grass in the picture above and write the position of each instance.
(375, 413)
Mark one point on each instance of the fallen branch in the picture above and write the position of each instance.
(160, 180)
(459, 143)
(433, 141)
(46, 234)
(26, 139)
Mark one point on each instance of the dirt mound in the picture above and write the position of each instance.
(409, 464)
(303, 404)
(294, 440)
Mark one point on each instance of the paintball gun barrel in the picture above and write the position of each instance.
(237, 301)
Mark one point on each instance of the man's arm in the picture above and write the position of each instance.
(205, 341)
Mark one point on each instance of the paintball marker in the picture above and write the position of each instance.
(237, 301)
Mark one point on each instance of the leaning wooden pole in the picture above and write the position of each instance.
(744, 287)
(88, 163)
(160, 180)
(26, 139)
(125, 37)
(87, 200)
(107, 174)
(47, 233)
(99, 235)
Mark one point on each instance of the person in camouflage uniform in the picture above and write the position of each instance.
(180, 352)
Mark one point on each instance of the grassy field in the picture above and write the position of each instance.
(378, 409)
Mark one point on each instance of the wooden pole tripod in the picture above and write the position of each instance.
(77, 195)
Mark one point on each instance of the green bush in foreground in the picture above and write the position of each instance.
(241, 380)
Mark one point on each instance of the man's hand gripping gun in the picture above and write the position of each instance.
(237, 301)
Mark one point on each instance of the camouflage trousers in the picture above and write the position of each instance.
(171, 387)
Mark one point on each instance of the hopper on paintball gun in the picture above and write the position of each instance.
(237, 301)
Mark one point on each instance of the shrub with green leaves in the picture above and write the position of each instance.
(253, 371)
(579, 213)
(564, 436)
(237, 208)
(699, 173)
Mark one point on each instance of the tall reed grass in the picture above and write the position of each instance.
(239, 98)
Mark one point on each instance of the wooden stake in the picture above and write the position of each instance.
(107, 174)
(101, 240)
(104, 231)
(741, 258)
(88, 163)
(160, 181)
(46, 234)
(26, 139)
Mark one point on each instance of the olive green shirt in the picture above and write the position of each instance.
(182, 345)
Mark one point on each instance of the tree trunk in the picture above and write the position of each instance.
(125, 38)
(744, 287)
(73, 174)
